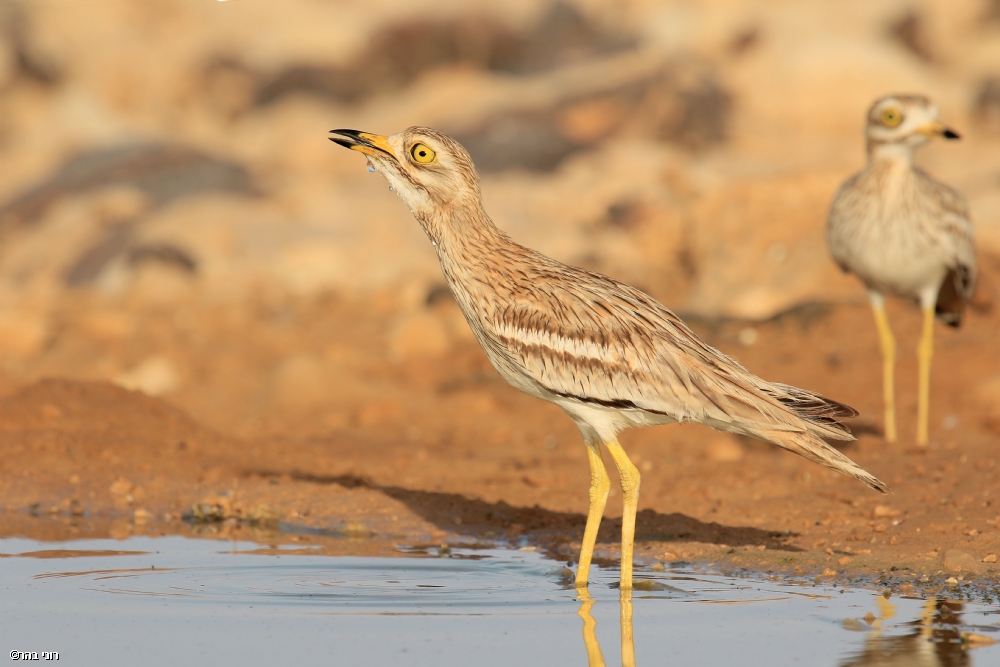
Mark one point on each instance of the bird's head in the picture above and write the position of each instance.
(903, 122)
(430, 172)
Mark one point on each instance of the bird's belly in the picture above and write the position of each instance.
(892, 259)
(903, 279)
(608, 421)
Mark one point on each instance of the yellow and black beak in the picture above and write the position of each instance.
(936, 129)
(363, 142)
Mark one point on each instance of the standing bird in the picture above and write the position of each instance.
(906, 235)
(607, 354)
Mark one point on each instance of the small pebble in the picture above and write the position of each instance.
(884, 511)
(747, 336)
(120, 486)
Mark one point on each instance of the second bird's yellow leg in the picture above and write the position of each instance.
(629, 475)
(600, 485)
(888, 346)
(925, 351)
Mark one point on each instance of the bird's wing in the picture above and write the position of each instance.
(846, 210)
(591, 338)
(951, 212)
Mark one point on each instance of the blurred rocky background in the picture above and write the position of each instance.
(173, 218)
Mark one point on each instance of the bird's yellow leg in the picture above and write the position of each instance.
(600, 485)
(594, 656)
(887, 611)
(629, 475)
(628, 642)
(925, 351)
(927, 618)
(888, 345)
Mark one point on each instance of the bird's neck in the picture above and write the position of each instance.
(467, 245)
(890, 155)
(463, 233)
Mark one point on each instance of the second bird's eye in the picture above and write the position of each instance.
(891, 117)
(422, 154)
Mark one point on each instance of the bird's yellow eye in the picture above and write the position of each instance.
(891, 117)
(422, 154)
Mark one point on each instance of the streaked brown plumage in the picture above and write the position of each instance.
(611, 356)
(904, 234)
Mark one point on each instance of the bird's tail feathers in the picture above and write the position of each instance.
(813, 448)
(822, 415)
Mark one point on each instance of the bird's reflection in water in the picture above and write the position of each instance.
(594, 656)
(935, 641)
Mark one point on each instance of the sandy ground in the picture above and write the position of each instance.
(448, 454)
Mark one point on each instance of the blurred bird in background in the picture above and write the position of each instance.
(609, 355)
(905, 234)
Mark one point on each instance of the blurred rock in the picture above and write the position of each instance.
(564, 35)
(356, 530)
(266, 514)
(89, 265)
(986, 108)
(910, 32)
(213, 508)
(121, 487)
(161, 172)
(698, 117)
(162, 253)
(992, 11)
(20, 55)
(525, 140)
(399, 53)
(153, 376)
(745, 41)
(680, 104)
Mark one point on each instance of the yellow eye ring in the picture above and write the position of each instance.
(422, 154)
(891, 117)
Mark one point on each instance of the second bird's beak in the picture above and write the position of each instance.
(936, 129)
(370, 144)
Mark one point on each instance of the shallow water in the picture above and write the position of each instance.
(174, 600)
